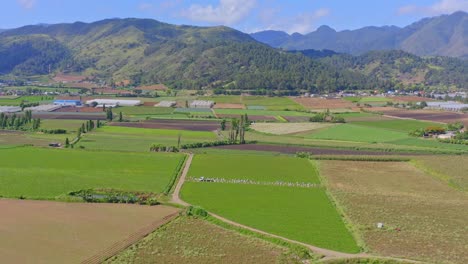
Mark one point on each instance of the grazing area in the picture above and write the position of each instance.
(287, 128)
(52, 232)
(423, 217)
(192, 240)
(253, 167)
(49, 173)
(140, 139)
(302, 214)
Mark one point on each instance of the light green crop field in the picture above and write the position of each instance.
(374, 99)
(429, 143)
(404, 125)
(260, 112)
(140, 139)
(26, 99)
(350, 132)
(69, 125)
(41, 173)
(302, 214)
(254, 167)
(272, 103)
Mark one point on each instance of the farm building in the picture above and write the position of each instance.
(449, 106)
(166, 104)
(9, 109)
(67, 102)
(44, 108)
(201, 104)
(113, 102)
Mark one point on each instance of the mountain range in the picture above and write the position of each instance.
(146, 51)
(445, 35)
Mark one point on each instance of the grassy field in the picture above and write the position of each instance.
(271, 103)
(140, 139)
(192, 240)
(451, 169)
(69, 125)
(350, 132)
(254, 167)
(403, 125)
(53, 232)
(424, 218)
(26, 99)
(288, 128)
(302, 214)
(47, 173)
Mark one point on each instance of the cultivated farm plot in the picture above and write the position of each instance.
(302, 214)
(253, 167)
(351, 132)
(451, 169)
(192, 240)
(404, 125)
(26, 99)
(288, 128)
(140, 139)
(144, 110)
(53, 232)
(255, 194)
(424, 218)
(321, 103)
(69, 125)
(39, 173)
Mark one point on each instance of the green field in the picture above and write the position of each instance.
(350, 132)
(140, 139)
(270, 103)
(26, 99)
(404, 125)
(302, 214)
(47, 173)
(69, 125)
(254, 167)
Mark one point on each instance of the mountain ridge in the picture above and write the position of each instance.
(426, 37)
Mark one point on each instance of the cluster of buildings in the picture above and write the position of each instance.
(447, 106)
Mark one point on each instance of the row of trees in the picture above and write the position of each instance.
(89, 126)
(237, 129)
(23, 122)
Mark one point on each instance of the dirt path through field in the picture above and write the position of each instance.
(326, 253)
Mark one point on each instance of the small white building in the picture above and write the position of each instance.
(113, 102)
(201, 104)
(166, 104)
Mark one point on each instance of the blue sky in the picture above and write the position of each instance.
(247, 15)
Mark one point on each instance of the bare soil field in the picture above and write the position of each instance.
(72, 116)
(191, 125)
(321, 103)
(84, 109)
(229, 106)
(424, 218)
(413, 99)
(428, 115)
(53, 232)
(155, 87)
(251, 117)
(191, 240)
(288, 128)
(316, 151)
(296, 119)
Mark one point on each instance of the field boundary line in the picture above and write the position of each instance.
(130, 240)
(183, 176)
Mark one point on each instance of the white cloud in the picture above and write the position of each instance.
(438, 8)
(227, 12)
(301, 23)
(27, 4)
